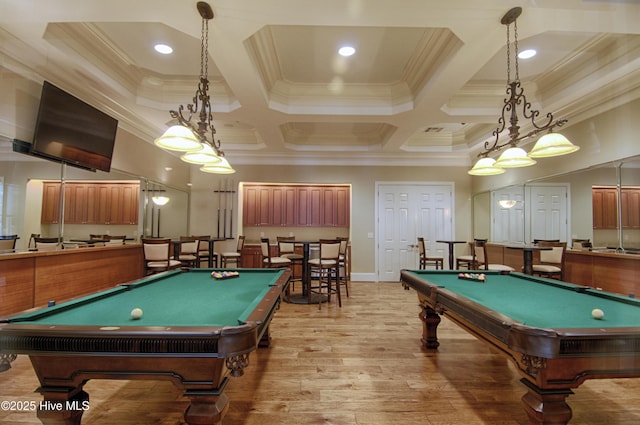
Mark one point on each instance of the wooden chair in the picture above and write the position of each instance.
(327, 269)
(156, 255)
(47, 244)
(8, 243)
(267, 260)
(482, 260)
(552, 261)
(466, 260)
(203, 250)
(287, 249)
(427, 260)
(344, 263)
(233, 257)
(32, 241)
(188, 255)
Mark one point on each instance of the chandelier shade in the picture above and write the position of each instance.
(204, 156)
(552, 144)
(179, 138)
(514, 158)
(485, 167)
(222, 167)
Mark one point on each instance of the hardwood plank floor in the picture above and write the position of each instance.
(360, 364)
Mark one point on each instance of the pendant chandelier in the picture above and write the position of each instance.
(187, 136)
(550, 144)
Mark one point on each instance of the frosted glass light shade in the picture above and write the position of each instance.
(552, 144)
(507, 203)
(513, 158)
(485, 167)
(223, 167)
(160, 200)
(204, 156)
(178, 138)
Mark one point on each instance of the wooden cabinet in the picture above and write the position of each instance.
(605, 207)
(92, 203)
(301, 205)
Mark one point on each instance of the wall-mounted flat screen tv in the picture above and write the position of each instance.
(72, 131)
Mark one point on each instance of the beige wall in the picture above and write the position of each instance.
(363, 181)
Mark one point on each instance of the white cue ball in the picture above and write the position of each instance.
(597, 313)
(136, 313)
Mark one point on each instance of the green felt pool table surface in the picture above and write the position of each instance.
(539, 302)
(192, 298)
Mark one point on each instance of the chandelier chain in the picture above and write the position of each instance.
(204, 49)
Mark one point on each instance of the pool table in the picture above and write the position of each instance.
(544, 326)
(195, 331)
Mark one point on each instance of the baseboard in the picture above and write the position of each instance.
(364, 277)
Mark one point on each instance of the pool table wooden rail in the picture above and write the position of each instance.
(551, 362)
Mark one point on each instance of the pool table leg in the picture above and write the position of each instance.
(62, 406)
(430, 321)
(206, 409)
(546, 406)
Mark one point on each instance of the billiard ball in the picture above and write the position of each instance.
(136, 313)
(597, 313)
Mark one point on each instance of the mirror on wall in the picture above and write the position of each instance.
(567, 199)
(22, 201)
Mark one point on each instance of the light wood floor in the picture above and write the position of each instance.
(361, 364)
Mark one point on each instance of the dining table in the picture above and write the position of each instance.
(303, 298)
(451, 244)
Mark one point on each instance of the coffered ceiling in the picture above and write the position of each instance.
(425, 86)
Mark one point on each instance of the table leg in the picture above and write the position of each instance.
(546, 407)
(306, 272)
(206, 409)
(430, 321)
(62, 406)
(211, 254)
(450, 256)
(528, 261)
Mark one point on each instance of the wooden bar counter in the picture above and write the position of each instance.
(607, 269)
(611, 271)
(32, 279)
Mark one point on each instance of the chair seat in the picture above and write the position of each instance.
(230, 254)
(278, 261)
(464, 258)
(163, 264)
(501, 268)
(323, 263)
(187, 257)
(546, 268)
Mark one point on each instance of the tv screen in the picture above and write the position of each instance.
(72, 131)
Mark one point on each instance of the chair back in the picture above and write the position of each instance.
(329, 249)
(47, 244)
(421, 248)
(156, 249)
(240, 244)
(8, 242)
(265, 250)
(189, 247)
(203, 243)
(555, 255)
(115, 240)
(480, 254)
(344, 243)
(286, 245)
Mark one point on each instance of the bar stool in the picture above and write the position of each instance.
(328, 270)
(426, 260)
(233, 257)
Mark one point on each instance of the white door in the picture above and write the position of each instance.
(508, 220)
(548, 205)
(405, 212)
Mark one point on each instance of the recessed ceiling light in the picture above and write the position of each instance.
(526, 54)
(346, 50)
(163, 48)
(168, 168)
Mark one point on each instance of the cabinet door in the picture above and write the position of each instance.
(257, 206)
(342, 207)
(128, 211)
(328, 202)
(284, 206)
(50, 203)
(605, 208)
(630, 208)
